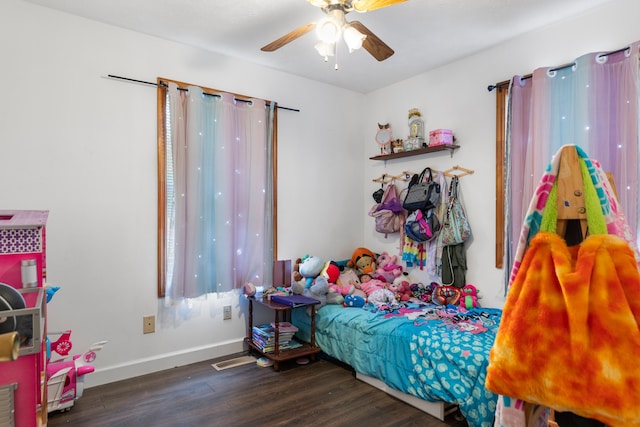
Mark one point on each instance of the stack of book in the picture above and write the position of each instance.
(264, 337)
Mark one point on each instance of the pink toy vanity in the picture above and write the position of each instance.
(22, 272)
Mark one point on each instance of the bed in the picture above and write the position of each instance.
(429, 354)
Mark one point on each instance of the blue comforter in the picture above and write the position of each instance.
(434, 353)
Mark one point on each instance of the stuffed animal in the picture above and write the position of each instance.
(343, 290)
(354, 301)
(307, 268)
(469, 297)
(331, 272)
(249, 289)
(363, 261)
(348, 284)
(318, 290)
(403, 290)
(387, 269)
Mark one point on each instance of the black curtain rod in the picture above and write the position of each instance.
(209, 94)
(561, 67)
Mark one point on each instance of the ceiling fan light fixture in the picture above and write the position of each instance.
(325, 50)
(318, 3)
(352, 37)
(328, 30)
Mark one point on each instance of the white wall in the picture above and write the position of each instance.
(84, 148)
(456, 97)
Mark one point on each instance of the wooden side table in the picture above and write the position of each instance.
(282, 313)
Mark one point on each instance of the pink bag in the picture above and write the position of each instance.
(389, 214)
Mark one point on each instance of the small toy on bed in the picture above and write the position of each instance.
(363, 261)
(348, 284)
(345, 285)
(331, 272)
(422, 292)
(403, 290)
(469, 297)
(318, 290)
(387, 269)
(354, 301)
(445, 295)
(307, 268)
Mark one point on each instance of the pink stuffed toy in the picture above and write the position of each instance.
(387, 269)
(469, 297)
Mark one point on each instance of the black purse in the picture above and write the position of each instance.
(377, 195)
(423, 192)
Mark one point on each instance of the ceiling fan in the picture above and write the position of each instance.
(334, 25)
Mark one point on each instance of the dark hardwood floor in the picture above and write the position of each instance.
(322, 393)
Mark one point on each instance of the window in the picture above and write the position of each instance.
(216, 190)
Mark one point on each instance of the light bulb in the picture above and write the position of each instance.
(325, 49)
(352, 37)
(328, 30)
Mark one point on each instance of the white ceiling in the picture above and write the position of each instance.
(424, 33)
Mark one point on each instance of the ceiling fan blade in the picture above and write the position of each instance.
(289, 37)
(367, 5)
(376, 47)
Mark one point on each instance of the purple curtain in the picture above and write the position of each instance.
(592, 103)
(219, 193)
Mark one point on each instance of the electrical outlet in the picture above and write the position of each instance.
(148, 324)
(226, 312)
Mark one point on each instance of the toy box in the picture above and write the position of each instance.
(440, 137)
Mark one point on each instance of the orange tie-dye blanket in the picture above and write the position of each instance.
(569, 337)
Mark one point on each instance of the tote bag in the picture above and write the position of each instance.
(423, 192)
(570, 331)
(389, 215)
(455, 227)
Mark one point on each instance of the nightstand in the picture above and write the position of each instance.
(282, 313)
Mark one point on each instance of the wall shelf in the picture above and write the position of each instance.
(416, 152)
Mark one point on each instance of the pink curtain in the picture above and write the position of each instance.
(592, 103)
(219, 193)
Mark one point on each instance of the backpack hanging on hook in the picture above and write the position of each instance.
(389, 214)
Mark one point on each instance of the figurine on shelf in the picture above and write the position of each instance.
(415, 139)
(397, 146)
